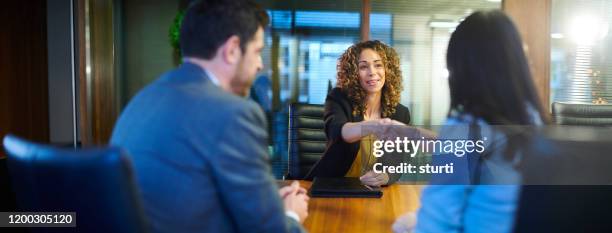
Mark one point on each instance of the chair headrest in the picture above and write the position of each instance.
(307, 110)
(568, 155)
(24, 151)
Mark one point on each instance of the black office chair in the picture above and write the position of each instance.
(582, 114)
(307, 139)
(7, 197)
(568, 181)
(97, 184)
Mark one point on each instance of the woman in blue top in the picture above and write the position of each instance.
(490, 84)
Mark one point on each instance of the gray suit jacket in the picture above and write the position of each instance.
(200, 157)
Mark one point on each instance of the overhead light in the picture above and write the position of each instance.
(556, 36)
(493, 0)
(586, 29)
(442, 24)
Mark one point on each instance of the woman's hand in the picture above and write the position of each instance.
(372, 178)
(355, 131)
(387, 129)
(383, 129)
(411, 132)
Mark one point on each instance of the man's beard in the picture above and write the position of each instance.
(240, 87)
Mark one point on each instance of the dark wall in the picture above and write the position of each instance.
(23, 70)
(145, 44)
(23, 81)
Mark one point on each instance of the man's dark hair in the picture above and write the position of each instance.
(209, 23)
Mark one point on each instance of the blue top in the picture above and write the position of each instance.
(464, 208)
(200, 157)
(461, 207)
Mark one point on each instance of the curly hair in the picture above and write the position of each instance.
(348, 77)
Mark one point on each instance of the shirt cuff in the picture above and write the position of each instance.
(293, 215)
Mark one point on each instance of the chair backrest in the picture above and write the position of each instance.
(568, 181)
(582, 114)
(97, 184)
(7, 196)
(564, 208)
(306, 138)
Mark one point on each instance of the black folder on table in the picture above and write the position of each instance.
(342, 187)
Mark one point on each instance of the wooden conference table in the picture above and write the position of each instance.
(361, 214)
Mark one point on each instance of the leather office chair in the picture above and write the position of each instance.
(97, 184)
(582, 114)
(568, 181)
(7, 197)
(306, 138)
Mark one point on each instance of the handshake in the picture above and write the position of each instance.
(383, 129)
(388, 129)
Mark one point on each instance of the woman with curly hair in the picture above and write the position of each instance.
(365, 101)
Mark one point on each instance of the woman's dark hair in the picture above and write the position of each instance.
(209, 23)
(489, 74)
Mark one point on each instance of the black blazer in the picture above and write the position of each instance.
(339, 155)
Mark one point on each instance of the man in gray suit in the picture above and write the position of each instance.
(198, 148)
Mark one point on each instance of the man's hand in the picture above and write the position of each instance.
(295, 199)
(372, 178)
(284, 191)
